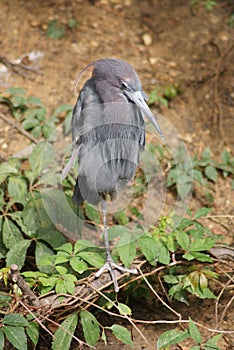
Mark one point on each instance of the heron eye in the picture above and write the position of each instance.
(125, 85)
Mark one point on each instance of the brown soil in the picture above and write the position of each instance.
(168, 43)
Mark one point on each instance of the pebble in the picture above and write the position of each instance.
(153, 60)
(4, 146)
(147, 39)
(35, 24)
(94, 43)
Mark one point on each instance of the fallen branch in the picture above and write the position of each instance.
(18, 127)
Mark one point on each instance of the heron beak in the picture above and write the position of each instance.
(139, 99)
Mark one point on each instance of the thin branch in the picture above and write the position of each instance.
(158, 296)
(18, 127)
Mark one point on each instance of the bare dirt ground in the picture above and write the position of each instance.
(169, 43)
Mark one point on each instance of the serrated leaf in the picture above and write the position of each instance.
(11, 235)
(1, 340)
(170, 337)
(183, 239)
(122, 334)
(148, 247)
(127, 249)
(17, 254)
(211, 173)
(90, 327)
(78, 265)
(15, 320)
(124, 309)
(201, 212)
(16, 336)
(32, 331)
(63, 335)
(194, 332)
(92, 258)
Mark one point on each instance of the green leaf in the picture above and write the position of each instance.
(194, 332)
(67, 248)
(170, 337)
(127, 249)
(83, 244)
(122, 334)
(61, 270)
(121, 217)
(170, 279)
(149, 248)
(163, 255)
(182, 239)
(184, 189)
(93, 258)
(225, 156)
(211, 344)
(17, 254)
(1, 339)
(197, 175)
(70, 281)
(92, 213)
(78, 265)
(90, 327)
(201, 257)
(40, 252)
(11, 235)
(55, 31)
(42, 157)
(201, 212)
(124, 309)
(5, 170)
(211, 173)
(63, 335)
(32, 331)
(116, 231)
(16, 336)
(15, 320)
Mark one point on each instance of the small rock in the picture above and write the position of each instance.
(147, 39)
(153, 60)
(94, 43)
(4, 146)
(35, 24)
(224, 37)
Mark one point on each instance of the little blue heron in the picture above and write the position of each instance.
(108, 132)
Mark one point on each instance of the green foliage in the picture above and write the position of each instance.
(230, 21)
(63, 335)
(163, 95)
(55, 31)
(31, 206)
(184, 172)
(207, 4)
(31, 113)
(14, 328)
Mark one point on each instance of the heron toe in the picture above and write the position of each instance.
(110, 265)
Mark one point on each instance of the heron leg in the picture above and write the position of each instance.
(110, 265)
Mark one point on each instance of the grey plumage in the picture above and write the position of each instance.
(108, 131)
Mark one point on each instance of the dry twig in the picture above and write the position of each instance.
(18, 127)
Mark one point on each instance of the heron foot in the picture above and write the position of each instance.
(110, 265)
